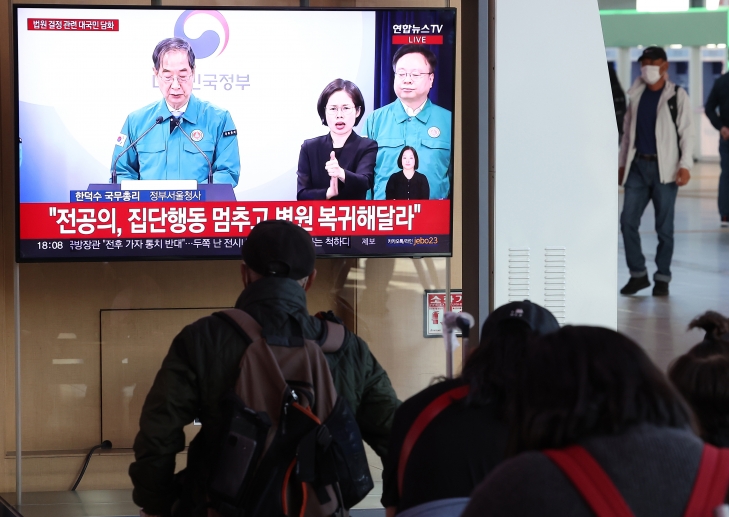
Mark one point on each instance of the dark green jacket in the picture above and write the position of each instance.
(202, 365)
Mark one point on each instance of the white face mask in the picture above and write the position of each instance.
(651, 74)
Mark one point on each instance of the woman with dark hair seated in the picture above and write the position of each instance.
(702, 377)
(340, 164)
(603, 415)
(445, 439)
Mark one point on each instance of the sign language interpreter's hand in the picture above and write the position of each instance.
(333, 168)
(333, 189)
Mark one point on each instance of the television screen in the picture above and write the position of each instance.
(158, 133)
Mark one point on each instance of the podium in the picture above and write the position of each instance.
(213, 191)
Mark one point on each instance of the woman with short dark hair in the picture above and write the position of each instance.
(593, 388)
(407, 183)
(702, 376)
(340, 164)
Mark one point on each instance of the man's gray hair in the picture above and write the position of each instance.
(170, 44)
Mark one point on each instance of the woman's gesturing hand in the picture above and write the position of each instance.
(333, 168)
(333, 189)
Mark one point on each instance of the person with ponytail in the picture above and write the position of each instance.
(702, 377)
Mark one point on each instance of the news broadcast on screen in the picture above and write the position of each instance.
(161, 134)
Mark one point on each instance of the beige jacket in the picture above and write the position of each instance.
(666, 141)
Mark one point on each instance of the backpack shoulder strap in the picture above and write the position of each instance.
(426, 416)
(590, 480)
(334, 338)
(673, 105)
(712, 481)
(673, 108)
(334, 332)
(245, 321)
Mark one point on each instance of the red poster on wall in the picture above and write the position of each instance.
(434, 308)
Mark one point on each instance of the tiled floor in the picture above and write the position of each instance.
(700, 272)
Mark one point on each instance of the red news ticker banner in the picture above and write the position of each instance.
(72, 24)
(420, 39)
(230, 219)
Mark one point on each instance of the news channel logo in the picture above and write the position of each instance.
(208, 26)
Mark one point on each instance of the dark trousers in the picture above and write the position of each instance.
(724, 178)
(644, 185)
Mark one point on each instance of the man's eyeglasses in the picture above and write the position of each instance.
(345, 110)
(414, 76)
(181, 79)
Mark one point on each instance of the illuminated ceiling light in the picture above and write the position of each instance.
(721, 45)
(676, 46)
(661, 5)
(711, 45)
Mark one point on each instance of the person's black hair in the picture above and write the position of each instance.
(715, 325)
(704, 383)
(492, 369)
(702, 376)
(416, 49)
(340, 85)
(415, 155)
(170, 44)
(580, 382)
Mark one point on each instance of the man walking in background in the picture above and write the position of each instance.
(719, 98)
(657, 148)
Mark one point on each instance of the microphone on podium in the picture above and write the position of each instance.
(210, 165)
(157, 121)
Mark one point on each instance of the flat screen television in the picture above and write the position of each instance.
(130, 148)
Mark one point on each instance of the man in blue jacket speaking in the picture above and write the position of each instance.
(194, 137)
(413, 120)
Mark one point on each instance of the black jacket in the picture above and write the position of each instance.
(619, 101)
(202, 365)
(357, 158)
(718, 98)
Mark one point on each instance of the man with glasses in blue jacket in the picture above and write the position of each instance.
(413, 120)
(166, 152)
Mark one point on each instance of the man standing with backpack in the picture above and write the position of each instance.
(203, 364)
(657, 149)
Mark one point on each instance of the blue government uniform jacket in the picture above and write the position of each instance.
(162, 155)
(428, 132)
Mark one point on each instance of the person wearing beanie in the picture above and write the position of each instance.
(455, 451)
(203, 364)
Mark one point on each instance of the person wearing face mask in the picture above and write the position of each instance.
(656, 155)
(340, 164)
